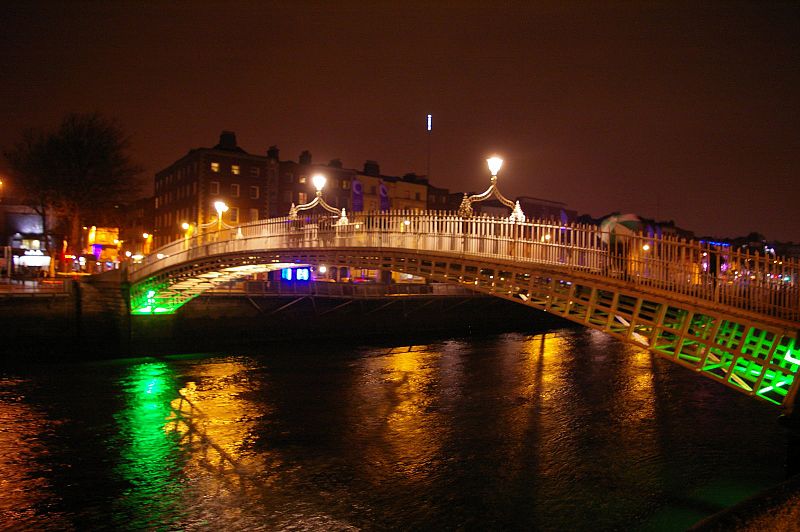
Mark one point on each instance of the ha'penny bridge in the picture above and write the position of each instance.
(730, 315)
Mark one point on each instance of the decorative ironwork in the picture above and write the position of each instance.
(319, 182)
(465, 209)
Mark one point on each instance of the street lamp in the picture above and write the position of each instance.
(188, 230)
(148, 241)
(495, 163)
(465, 210)
(221, 207)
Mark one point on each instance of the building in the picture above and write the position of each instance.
(185, 191)
(23, 238)
(374, 192)
(439, 199)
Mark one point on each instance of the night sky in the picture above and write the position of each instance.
(687, 113)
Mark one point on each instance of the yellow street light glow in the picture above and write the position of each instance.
(323, 269)
(494, 164)
(145, 235)
(646, 247)
(220, 207)
(185, 226)
(319, 181)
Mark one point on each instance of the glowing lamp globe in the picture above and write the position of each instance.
(220, 206)
(494, 164)
(319, 181)
(184, 226)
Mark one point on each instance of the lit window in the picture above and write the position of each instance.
(301, 179)
(255, 171)
(302, 197)
(345, 184)
(213, 187)
(253, 215)
(233, 214)
(215, 167)
(235, 169)
(234, 190)
(254, 192)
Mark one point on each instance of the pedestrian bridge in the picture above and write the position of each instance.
(729, 314)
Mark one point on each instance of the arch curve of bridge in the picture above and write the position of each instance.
(748, 353)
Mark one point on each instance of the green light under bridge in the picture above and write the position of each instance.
(152, 301)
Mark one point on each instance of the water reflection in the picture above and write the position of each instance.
(399, 400)
(563, 430)
(150, 461)
(24, 490)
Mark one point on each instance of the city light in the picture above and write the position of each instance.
(495, 163)
(319, 181)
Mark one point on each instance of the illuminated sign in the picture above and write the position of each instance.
(430, 122)
(298, 274)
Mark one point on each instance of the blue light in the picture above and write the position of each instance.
(302, 274)
(286, 274)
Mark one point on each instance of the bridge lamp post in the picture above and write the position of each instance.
(148, 241)
(465, 210)
(220, 207)
(319, 182)
(188, 231)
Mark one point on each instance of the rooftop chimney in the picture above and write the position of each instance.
(335, 163)
(273, 152)
(305, 157)
(372, 168)
(227, 140)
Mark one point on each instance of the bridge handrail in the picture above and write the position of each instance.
(738, 278)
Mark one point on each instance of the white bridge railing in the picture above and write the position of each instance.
(742, 279)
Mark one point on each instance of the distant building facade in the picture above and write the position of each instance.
(186, 190)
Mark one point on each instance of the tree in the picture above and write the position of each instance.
(79, 170)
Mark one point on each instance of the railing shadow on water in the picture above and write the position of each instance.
(713, 272)
(187, 420)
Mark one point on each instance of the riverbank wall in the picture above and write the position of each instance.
(92, 319)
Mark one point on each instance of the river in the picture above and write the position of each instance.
(564, 430)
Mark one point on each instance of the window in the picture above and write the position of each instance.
(253, 215)
(215, 167)
(288, 178)
(254, 192)
(345, 184)
(233, 214)
(372, 189)
(301, 179)
(213, 187)
(235, 169)
(416, 195)
(255, 171)
(302, 197)
(234, 190)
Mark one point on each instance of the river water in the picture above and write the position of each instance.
(565, 430)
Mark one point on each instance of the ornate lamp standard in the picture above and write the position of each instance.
(220, 207)
(319, 181)
(465, 210)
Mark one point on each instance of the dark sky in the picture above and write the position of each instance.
(678, 111)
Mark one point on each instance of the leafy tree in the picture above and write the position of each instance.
(78, 171)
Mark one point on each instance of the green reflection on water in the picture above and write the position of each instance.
(150, 459)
